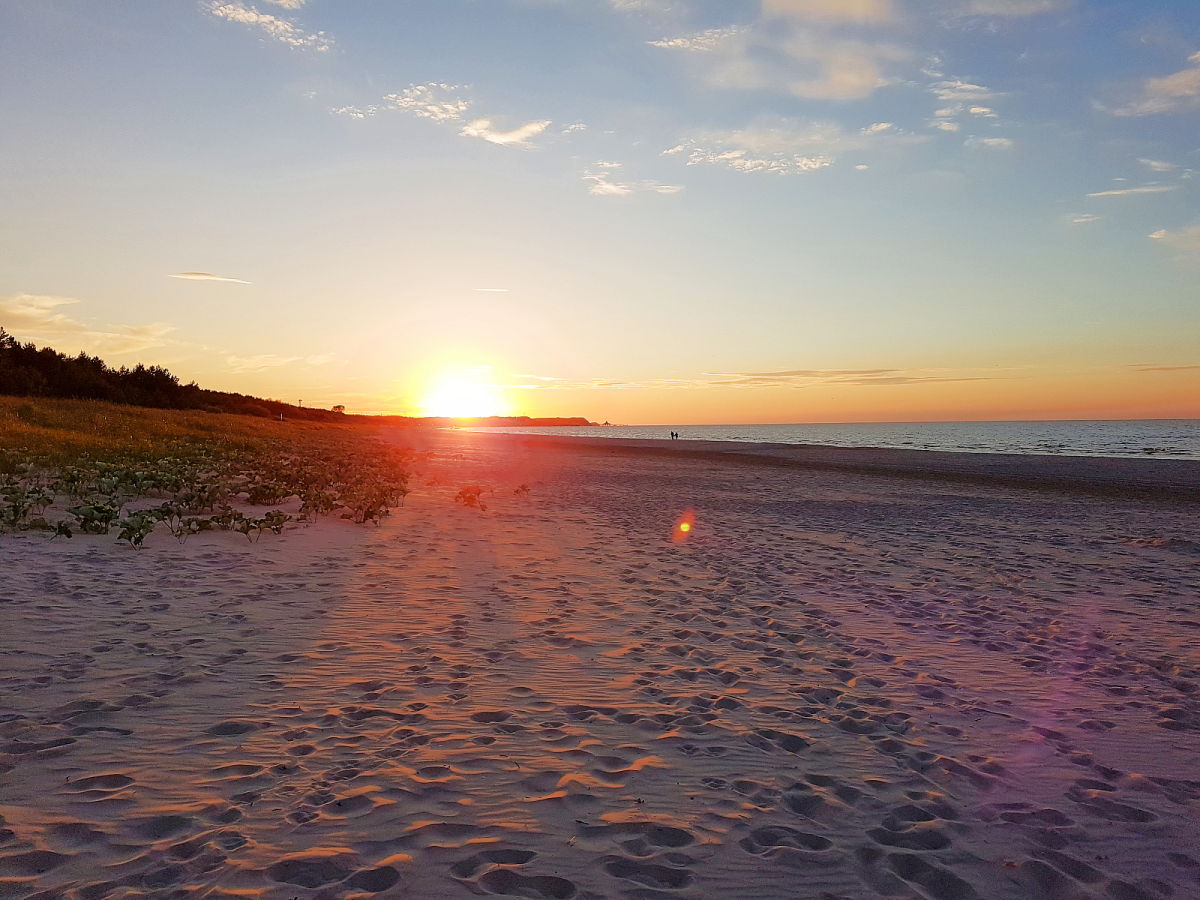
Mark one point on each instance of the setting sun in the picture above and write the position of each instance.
(465, 393)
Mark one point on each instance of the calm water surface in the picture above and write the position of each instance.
(1152, 438)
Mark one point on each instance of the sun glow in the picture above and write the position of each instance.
(463, 394)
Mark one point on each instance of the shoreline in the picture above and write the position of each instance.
(1113, 477)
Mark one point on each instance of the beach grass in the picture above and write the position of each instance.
(59, 432)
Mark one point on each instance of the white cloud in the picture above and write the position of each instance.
(435, 101)
(446, 105)
(1145, 189)
(806, 56)
(1012, 8)
(288, 4)
(1186, 240)
(517, 137)
(785, 146)
(990, 143)
(960, 98)
(206, 276)
(1178, 92)
(823, 68)
(702, 41)
(603, 183)
(1082, 218)
(274, 27)
(1158, 165)
(40, 318)
(642, 6)
(957, 91)
(866, 11)
(356, 112)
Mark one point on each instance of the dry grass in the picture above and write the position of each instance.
(60, 431)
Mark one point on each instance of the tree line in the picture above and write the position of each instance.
(27, 370)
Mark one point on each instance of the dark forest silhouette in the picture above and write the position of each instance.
(27, 370)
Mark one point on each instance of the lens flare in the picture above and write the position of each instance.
(685, 525)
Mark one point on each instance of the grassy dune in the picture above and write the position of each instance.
(74, 466)
(60, 431)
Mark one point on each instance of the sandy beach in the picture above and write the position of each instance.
(858, 676)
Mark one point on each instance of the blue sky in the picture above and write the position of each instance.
(636, 210)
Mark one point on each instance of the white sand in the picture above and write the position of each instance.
(840, 686)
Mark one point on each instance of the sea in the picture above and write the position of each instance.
(1148, 438)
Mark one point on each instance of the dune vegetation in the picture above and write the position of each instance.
(80, 466)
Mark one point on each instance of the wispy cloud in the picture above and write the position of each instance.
(603, 181)
(206, 276)
(1143, 189)
(990, 143)
(962, 101)
(1082, 218)
(41, 318)
(786, 146)
(703, 41)
(808, 377)
(446, 104)
(1158, 165)
(799, 48)
(265, 361)
(260, 363)
(958, 91)
(435, 101)
(1185, 240)
(515, 137)
(866, 11)
(274, 27)
(1011, 8)
(1149, 368)
(1177, 92)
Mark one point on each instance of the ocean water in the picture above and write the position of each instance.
(1150, 438)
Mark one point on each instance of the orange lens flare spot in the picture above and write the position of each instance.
(684, 526)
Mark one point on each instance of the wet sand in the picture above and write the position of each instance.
(843, 684)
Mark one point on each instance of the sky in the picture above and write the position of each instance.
(640, 211)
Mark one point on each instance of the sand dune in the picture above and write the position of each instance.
(839, 686)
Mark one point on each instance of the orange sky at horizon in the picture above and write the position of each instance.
(1101, 393)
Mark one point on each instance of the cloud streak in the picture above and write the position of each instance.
(810, 377)
(1133, 191)
(603, 183)
(786, 146)
(206, 276)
